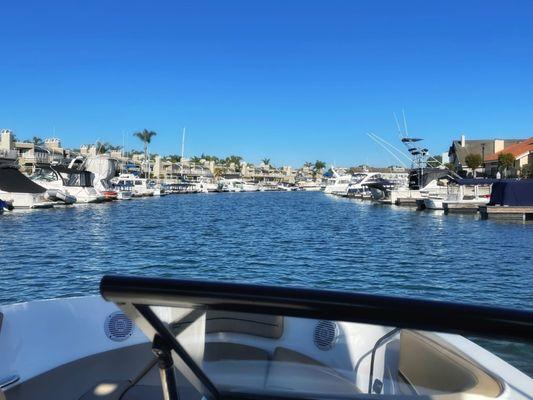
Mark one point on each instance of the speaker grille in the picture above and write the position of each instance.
(325, 335)
(118, 327)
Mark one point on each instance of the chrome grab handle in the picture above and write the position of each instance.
(8, 380)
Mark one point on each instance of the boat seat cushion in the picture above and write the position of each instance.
(267, 326)
(295, 372)
(236, 364)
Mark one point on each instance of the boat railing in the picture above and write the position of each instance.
(380, 342)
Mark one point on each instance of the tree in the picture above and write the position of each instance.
(319, 165)
(526, 172)
(219, 172)
(308, 165)
(506, 161)
(450, 166)
(473, 161)
(266, 161)
(234, 160)
(37, 141)
(102, 147)
(146, 137)
(174, 158)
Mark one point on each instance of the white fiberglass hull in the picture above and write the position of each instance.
(336, 189)
(26, 200)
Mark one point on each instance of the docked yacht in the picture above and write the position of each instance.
(140, 187)
(421, 184)
(238, 185)
(461, 191)
(309, 186)
(337, 184)
(74, 182)
(19, 191)
(191, 340)
(358, 185)
(104, 169)
(206, 185)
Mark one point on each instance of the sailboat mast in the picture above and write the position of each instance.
(183, 143)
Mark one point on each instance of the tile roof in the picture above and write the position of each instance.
(516, 149)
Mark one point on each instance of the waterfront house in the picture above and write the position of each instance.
(461, 148)
(522, 151)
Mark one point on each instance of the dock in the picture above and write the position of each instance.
(523, 213)
(406, 201)
(463, 208)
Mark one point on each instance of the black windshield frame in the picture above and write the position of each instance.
(135, 295)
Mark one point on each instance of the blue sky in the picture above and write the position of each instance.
(288, 80)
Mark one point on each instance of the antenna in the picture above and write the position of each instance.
(389, 145)
(384, 144)
(182, 143)
(405, 123)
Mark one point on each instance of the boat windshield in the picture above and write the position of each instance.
(309, 344)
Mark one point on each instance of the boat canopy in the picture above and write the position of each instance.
(260, 342)
(74, 177)
(512, 193)
(14, 181)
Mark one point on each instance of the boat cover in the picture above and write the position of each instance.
(14, 181)
(512, 193)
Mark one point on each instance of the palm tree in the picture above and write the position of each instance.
(308, 164)
(37, 141)
(146, 137)
(266, 161)
(102, 147)
(319, 165)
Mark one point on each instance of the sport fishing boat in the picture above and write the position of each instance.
(74, 182)
(17, 190)
(173, 339)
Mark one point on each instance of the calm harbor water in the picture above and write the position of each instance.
(297, 239)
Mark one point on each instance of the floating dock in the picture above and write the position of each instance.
(464, 208)
(523, 213)
(406, 201)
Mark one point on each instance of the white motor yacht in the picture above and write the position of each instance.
(338, 184)
(191, 340)
(238, 185)
(358, 185)
(71, 181)
(21, 192)
(309, 186)
(461, 191)
(206, 185)
(140, 186)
